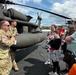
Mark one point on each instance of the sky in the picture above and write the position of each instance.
(62, 7)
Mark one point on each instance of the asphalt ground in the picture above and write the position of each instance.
(31, 60)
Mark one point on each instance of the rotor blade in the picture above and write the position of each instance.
(2, 1)
(8, 2)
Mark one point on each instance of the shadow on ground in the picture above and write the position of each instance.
(38, 67)
(22, 53)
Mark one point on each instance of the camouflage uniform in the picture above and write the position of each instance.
(12, 33)
(5, 57)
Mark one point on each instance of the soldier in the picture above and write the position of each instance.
(5, 43)
(13, 32)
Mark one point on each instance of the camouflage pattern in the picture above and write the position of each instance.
(12, 32)
(13, 58)
(5, 57)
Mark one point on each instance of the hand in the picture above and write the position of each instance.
(13, 39)
(63, 41)
(4, 39)
(17, 34)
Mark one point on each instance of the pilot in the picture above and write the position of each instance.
(5, 43)
(13, 32)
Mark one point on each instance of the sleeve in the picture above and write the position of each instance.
(7, 43)
(14, 32)
(73, 36)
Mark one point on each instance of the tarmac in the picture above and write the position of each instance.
(31, 60)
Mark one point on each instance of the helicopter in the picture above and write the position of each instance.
(29, 33)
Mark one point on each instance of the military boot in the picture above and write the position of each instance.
(16, 68)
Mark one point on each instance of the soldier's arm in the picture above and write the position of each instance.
(10, 42)
(4, 41)
(15, 32)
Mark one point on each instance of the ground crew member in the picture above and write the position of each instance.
(13, 32)
(5, 43)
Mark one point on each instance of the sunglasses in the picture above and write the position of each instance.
(6, 25)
